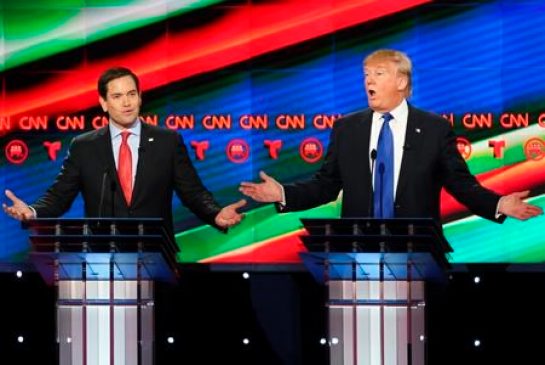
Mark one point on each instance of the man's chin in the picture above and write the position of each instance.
(373, 104)
(125, 122)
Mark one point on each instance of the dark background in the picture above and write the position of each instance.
(283, 316)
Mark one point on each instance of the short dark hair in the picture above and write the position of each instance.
(112, 74)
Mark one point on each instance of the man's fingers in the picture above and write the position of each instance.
(250, 190)
(264, 176)
(522, 194)
(531, 209)
(229, 216)
(14, 213)
(228, 222)
(526, 211)
(28, 215)
(239, 204)
(12, 197)
(246, 184)
(247, 190)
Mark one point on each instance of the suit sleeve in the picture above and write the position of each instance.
(189, 187)
(59, 197)
(323, 187)
(461, 183)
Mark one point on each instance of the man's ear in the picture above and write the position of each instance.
(103, 104)
(402, 82)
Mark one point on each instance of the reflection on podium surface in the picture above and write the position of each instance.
(104, 271)
(375, 271)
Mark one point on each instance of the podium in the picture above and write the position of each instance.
(375, 271)
(103, 270)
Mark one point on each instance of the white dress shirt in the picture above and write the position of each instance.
(398, 125)
(133, 141)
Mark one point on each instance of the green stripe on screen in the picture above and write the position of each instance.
(474, 239)
(259, 225)
(477, 240)
(30, 33)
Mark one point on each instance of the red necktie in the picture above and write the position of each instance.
(124, 167)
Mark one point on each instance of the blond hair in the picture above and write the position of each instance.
(400, 59)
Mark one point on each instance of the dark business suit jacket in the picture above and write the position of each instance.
(164, 166)
(430, 161)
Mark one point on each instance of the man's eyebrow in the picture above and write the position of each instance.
(120, 93)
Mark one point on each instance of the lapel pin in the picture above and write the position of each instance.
(150, 139)
(417, 130)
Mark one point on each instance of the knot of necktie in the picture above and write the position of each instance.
(125, 136)
(387, 117)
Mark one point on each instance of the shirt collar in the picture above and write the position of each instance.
(135, 129)
(400, 112)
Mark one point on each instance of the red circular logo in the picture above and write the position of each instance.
(16, 151)
(311, 150)
(534, 149)
(464, 147)
(238, 151)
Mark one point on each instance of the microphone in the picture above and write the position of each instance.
(102, 192)
(373, 156)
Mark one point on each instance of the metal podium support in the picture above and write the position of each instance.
(375, 271)
(104, 271)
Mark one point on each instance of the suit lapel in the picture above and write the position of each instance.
(413, 140)
(105, 152)
(366, 130)
(142, 160)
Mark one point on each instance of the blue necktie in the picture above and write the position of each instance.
(383, 196)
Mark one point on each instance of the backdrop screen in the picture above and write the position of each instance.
(257, 85)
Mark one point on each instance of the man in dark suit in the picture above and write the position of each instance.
(421, 154)
(127, 176)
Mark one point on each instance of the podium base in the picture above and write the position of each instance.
(376, 322)
(105, 322)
